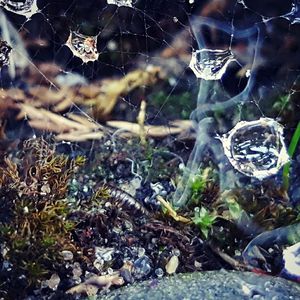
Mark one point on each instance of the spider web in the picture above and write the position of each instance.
(263, 63)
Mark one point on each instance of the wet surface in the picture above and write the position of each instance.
(221, 285)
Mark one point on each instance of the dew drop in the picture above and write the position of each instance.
(83, 46)
(25, 8)
(211, 64)
(127, 3)
(256, 148)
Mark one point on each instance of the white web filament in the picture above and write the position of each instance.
(256, 148)
(5, 50)
(211, 64)
(25, 8)
(83, 46)
(127, 3)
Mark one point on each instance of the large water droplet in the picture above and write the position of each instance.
(120, 2)
(211, 64)
(256, 148)
(26, 8)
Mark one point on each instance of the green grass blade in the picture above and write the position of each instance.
(291, 151)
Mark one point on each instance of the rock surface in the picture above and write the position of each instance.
(213, 285)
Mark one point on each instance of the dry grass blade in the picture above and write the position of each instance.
(150, 130)
(78, 136)
(74, 128)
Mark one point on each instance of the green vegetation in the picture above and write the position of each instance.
(291, 150)
(175, 105)
(37, 229)
(204, 220)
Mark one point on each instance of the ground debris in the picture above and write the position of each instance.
(91, 286)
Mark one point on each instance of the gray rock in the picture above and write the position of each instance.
(213, 285)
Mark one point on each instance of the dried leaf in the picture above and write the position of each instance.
(171, 211)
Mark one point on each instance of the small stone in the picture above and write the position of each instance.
(172, 265)
(142, 267)
(53, 282)
(176, 252)
(98, 264)
(141, 251)
(67, 255)
(104, 253)
(159, 272)
(77, 271)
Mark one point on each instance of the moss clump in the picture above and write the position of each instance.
(33, 188)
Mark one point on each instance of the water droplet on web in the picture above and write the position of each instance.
(5, 50)
(120, 2)
(83, 46)
(26, 8)
(211, 64)
(256, 148)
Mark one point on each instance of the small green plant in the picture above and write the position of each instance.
(198, 183)
(291, 151)
(204, 220)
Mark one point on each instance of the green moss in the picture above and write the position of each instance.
(39, 228)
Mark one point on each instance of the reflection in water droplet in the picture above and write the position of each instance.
(120, 2)
(26, 8)
(83, 46)
(5, 50)
(211, 64)
(256, 148)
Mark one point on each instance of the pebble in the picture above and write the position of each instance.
(67, 255)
